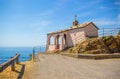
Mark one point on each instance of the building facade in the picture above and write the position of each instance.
(69, 37)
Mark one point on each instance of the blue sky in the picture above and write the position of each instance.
(26, 22)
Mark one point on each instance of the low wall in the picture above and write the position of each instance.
(51, 47)
(93, 56)
(70, 54)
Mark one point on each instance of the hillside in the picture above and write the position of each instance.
(108, 44)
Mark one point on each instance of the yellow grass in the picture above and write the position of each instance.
(19, 72)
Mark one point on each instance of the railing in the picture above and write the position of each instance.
(101, 33)
(108, 32)
(37, 49)
(10, 62)
(104, 32)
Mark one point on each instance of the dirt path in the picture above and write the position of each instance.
(63, 67)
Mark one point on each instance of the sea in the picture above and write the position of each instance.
(7, 52)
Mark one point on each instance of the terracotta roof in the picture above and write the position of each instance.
(75, 27)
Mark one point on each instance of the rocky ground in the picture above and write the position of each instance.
(101, 45)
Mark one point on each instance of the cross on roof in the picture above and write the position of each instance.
(75, 17)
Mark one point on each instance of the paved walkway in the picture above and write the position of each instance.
(62, 67)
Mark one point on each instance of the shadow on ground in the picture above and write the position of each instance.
(21, 71)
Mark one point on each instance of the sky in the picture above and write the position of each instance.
(26, 22)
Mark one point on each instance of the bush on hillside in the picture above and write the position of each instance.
(106, 38)
(107, 44)
(118, 33)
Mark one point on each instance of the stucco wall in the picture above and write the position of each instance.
(51, 47)
(75, 36)
(91, 31)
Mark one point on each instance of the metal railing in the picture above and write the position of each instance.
(108, 32)
(10, 62)
(37, 49)
(101, 33)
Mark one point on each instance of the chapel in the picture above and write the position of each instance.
(71, 36)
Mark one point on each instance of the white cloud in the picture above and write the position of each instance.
(40, 24)
(107, 8)
(84, 14)
(61, 2)
(46, 13)
(57, 6)
(117, 2)
(118, 16)
(103, 7)
(89, 4)
(106, 22)
(95, 2)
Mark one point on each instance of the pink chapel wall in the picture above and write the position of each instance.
(59, 43)
(73, 37)
(91, 31)
(51, 47)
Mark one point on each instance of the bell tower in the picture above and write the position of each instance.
(75, 22)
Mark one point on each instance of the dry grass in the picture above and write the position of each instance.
(98, 45)
(28, 69)
(8, 74)
(20, 69)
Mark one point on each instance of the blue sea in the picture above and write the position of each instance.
(7, 52)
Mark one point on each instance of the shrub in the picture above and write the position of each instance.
(70, 50)
(106, 37)
(118, 33)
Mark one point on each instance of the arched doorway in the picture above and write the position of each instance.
(64, 36)
(51, 40)
(57, 41)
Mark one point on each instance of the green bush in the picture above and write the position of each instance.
(118, 33)
(106, 37)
